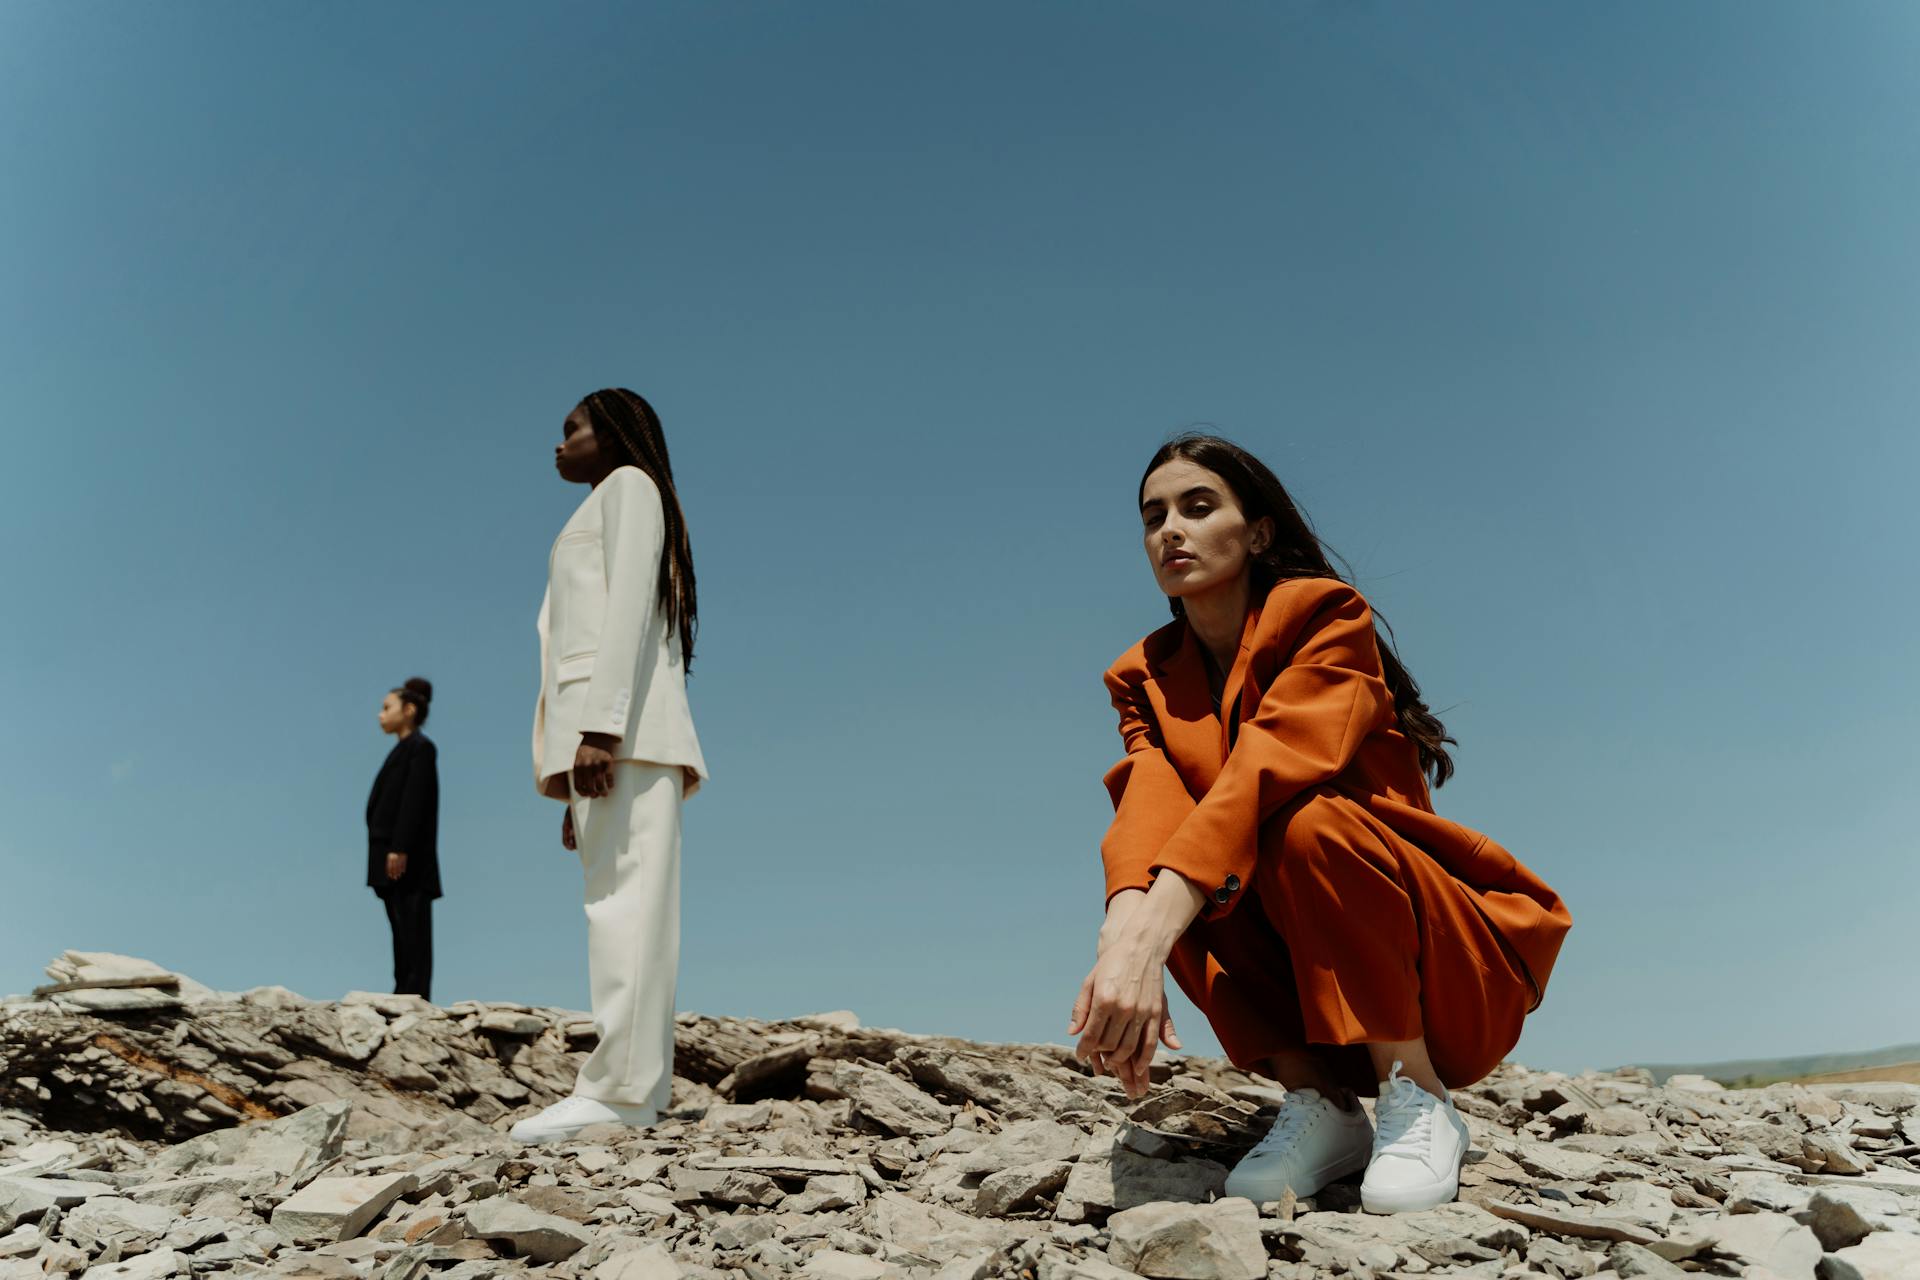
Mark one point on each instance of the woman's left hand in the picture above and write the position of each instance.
(396, 865)
(1121, 1013)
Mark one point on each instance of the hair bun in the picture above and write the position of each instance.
(420, 687)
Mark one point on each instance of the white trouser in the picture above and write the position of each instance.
(629, 843)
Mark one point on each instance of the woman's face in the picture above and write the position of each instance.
(577, 457)
(395, 715)
(1198, 539)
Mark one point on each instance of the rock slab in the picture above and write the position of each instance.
(336, 1209)
(1218, 1241)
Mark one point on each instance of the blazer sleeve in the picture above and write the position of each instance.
(1149, 799)
(540, 699)
(373, 798)
(419, 796)
(633, 533)
(1319, 708)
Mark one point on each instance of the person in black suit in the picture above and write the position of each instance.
(403, 821)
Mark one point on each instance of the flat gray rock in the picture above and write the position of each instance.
(507, 1022)
(1108, 1175)
(1631, 1260)
(1885, 1255)
(102, 1219)
(362, 1029)
(37, 1158)
(825, 1192)
(107, 969)
(1579, 1224)
(185, 1192)
(1025, 1142)
(111, 1000)
(642, 1262)
(836, 1264)
(774, 1166)
(727, 1186)
(931, 1231)
(157, 1265)
(336, 1209)
(292, 1145)
(883, 1101)
(1348, 1232)
(22, 1201)
(1021, 1187)
(1218, 1241)
(737, 1116)
(543, 1237)
(1011, 1090)
(1771, 1241)
(35, 1195)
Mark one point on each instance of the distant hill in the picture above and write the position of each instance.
(1762, 1070)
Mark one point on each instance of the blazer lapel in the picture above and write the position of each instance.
(1187, 721)
(1230, 697)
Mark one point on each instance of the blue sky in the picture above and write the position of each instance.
(1588, 334)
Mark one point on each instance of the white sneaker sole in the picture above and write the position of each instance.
(533, 1137)
(1261, 1188)
(1410, 1199)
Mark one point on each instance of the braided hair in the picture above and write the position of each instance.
(628, 431)
(1298, 552)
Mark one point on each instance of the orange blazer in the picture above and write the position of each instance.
(1305, 708)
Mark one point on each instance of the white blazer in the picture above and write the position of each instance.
(609, 663)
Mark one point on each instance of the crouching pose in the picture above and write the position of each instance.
(1275, 846)
(613, 738)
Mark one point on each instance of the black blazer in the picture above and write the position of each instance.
(403, 816)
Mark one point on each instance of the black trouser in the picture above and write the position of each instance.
(411, 915)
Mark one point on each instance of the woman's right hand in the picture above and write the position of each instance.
(1121, 1012)
(567, 841)
(1119, 907)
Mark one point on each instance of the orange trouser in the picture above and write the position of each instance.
(1349, 935)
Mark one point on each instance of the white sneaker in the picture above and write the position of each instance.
(1312, 1142)
(1417, 1153)
(570, 1115)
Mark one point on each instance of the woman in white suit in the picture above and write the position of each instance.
(613, 738)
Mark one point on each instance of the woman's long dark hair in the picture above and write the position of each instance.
(1298, 552)
(629, 431)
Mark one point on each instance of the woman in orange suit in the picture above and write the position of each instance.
(1274, 845)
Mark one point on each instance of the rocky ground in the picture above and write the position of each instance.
(151, 1128)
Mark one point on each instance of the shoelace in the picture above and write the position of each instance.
(1293, 1114)
(1405, 1110)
